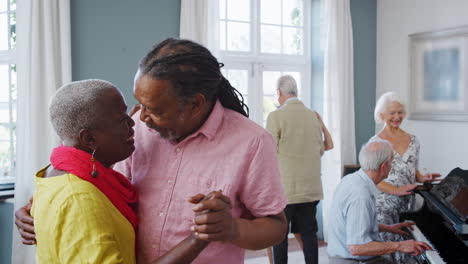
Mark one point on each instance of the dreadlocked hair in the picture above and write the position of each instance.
(192, 69)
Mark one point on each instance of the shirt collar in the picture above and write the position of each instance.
(212, 123)
(369, 182)
(290, 99)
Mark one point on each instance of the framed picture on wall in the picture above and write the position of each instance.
(438, 75)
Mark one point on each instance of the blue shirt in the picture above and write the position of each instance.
(353, 218)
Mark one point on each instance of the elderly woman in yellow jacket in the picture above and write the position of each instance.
(84, 211)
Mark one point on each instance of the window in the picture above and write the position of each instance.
(7, 90)
(260, 40)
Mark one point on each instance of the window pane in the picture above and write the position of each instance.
(222, 35)
(292, 12)
(12, 5)
(14, 93)
(4, 132)
(269, 81)
(271, 39)
(270, 11)
(222, 9)
(239, 10)
(4, 97)
(13, 30)
(238, 36)
(5, 162)
(13, 116)
(238, 80)
(4, 113)
(8, 92)
(292, 41)
(3, 5)
(270, 97)
(4, 31)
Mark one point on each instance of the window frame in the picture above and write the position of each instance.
(8, 58)
(256, 62)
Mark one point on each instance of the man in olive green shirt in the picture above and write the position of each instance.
(301, 138)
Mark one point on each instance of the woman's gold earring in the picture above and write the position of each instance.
(94, 172)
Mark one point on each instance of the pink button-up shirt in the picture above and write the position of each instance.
(229, 153)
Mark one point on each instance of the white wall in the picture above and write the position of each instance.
(444, 145)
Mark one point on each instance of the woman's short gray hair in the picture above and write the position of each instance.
(74, 105)
(374, 153)
(382, 103)
(287, 85)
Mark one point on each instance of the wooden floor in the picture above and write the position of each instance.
(295, 254)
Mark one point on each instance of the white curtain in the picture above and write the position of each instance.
(338, 95)
(43, 64)
(198, 22)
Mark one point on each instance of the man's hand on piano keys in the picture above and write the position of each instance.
(397, 228)
(413, 247)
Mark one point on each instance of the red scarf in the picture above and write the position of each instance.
(114, 185)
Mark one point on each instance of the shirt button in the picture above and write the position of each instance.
(153, 246)
(177, 150)
(169, 181)
(161, 214)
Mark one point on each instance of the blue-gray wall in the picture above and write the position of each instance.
(6, 228)
(110, 36)
(364, 17)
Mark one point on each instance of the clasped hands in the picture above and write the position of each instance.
(213, 220)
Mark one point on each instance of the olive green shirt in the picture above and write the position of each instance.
(298, 134)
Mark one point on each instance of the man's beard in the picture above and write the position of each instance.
(171, 135)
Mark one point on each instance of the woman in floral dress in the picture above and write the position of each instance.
(396, 191)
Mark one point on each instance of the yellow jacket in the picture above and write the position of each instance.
(76, 223)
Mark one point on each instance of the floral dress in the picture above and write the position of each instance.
(390, 206)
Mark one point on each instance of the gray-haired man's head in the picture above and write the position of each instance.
(287, 85)
(75, 107)
(375, 153)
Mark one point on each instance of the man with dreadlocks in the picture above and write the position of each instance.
(194, 136)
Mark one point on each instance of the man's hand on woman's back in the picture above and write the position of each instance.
(25, 224)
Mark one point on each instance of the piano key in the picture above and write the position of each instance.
(432, 255)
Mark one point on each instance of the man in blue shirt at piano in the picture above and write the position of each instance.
(353, 231)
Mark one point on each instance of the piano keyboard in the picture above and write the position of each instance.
(431, 255)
